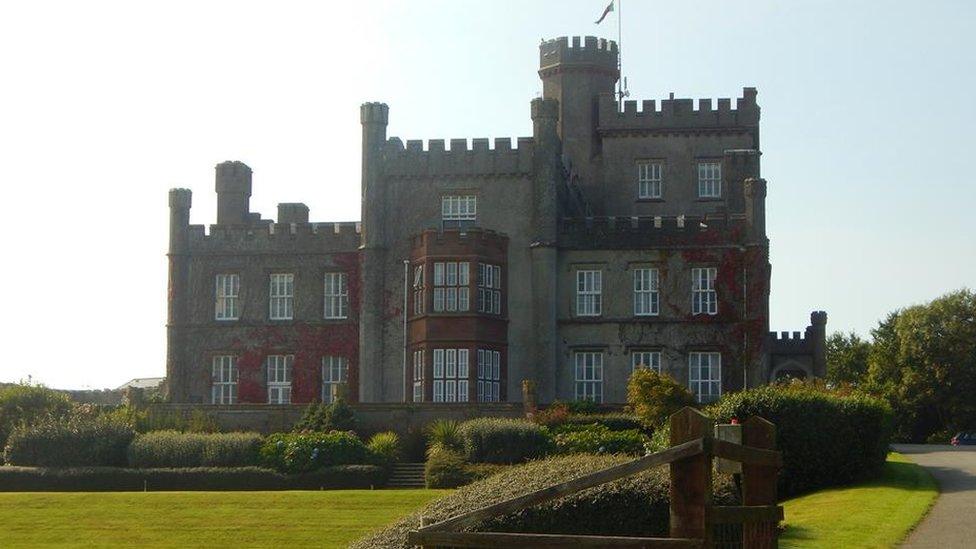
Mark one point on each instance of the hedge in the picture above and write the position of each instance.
(598, 439)
(826, 438)
(498, 440)
(302, 452)
(634, 506)
(175, 449)
(70, 443)
(445, 469)
(612, 421)
(113, 479)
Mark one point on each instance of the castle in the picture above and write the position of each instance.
(614, 237)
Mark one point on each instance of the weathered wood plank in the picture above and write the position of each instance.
(734, 514)
(759, 483)
(747, 454)
(691, 478)
(677, 452)
(500, 539)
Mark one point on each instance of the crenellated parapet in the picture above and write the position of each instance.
(639, 232)
(591, 52)
(283, 238)
(479, 159)
(679, 114)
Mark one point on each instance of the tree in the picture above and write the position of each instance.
(654, 396)
(847, 359)
(25, 403)
(923, 361)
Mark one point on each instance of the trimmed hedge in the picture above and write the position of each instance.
(596, 438)
(113, 479)
(175, 449)
(612, 421)
(826, 438)
(498, 440)
(70, 443)
(635, 506)
(302, 452)
(446, 469)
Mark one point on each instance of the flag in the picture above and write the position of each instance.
(605, 12)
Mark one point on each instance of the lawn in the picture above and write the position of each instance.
(201, 519)
(874, 514)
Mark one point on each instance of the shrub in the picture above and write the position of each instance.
(940, 437)
(446, 469)
(478, 471)
(654, 396)
(70, 443)
(27, 404)
(384, 448)
(613, 422)
(174, 449)
(446, 434)
(303, 452)
(322, 418)
(634, 506)
(498, 440)
(114, 479)
(160, 419)
(599, 439)
(585, 406)
(554, 414)
(826, 438)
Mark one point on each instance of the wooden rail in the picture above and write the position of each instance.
(693, 516)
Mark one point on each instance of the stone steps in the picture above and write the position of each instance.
(407, 475)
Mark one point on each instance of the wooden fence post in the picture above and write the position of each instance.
(759, 484)
(691, 478)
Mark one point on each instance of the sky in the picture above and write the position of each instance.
(868, 110)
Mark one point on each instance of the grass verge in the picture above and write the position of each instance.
(879, 513)
(201, 519)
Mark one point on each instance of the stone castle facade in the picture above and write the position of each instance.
(614, 237)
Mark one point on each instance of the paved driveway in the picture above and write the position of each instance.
(952, 521)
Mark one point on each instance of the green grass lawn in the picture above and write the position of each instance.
(874, 514)
(201, 519)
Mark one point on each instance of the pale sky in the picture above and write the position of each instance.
(868, 111)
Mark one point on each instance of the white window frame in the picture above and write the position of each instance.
(450, 375)
(709, 179)
(459, 211)
(489, 289)
(647, 294)
(336, 292)
(281, 296)
(704, 297)
(708, 387)
(645, 357)
(279, 372)
(452, 286)
(419, 291)
(589, 292)
(227, 296)
(650, 182)
(335, 374)
(489, 375)
(589, 375)
(224, 378)
(418, 375)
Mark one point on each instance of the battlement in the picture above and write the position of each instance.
(677, 114)
(374, 113)
(276, 238)
(637, 232)
(594, 52)
(478, 159)
(460, 237)
(180, 199)
(790, 343)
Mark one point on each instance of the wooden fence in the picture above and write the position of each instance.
(695, 522)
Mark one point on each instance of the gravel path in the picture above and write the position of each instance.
(952, 521)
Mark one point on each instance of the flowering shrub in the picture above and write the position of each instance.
(598, 439)
(302, 452)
